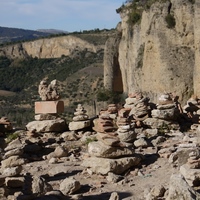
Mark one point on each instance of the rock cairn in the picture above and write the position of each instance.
(47, 111)
(80, 119)
(111, 153)
(192, 109)
(112, 111)
(48, 92)
(165, 108)
(165, 113)
(125, 130)
(11, 166)
(138, 105)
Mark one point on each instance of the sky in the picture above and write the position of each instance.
(67, 15)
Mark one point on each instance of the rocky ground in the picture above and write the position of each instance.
(149, 180)
(112, 156)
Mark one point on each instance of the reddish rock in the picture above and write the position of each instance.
(49, 107)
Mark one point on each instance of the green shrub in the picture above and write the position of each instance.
(11, 136)
(109, 96)
(134, 17)
(171, 22)
(90, 139)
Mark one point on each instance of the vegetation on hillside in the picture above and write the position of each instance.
(80, 78)
(136, 7)
(95, 36)
(22, 76)
(16, 34)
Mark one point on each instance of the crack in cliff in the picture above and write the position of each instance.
(169, 7)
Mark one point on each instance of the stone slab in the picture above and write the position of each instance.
(49, 107)
(73, 126)
(57, 125)
(105, 165)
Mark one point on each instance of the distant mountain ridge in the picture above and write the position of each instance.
(52, 31)
(16, 34)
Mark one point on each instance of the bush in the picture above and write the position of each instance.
(109, 96)
(171, 22)
(134, 17)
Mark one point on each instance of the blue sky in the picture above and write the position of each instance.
(68, 15)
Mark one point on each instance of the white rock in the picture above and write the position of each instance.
(69, 186)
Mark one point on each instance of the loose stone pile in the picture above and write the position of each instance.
(139, 106)
(164, 114)
(118, 139)
(125, 130)
(166, 108)
(80, 120)
(110, 153)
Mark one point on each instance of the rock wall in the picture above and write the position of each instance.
(48, 48)
(154, 58)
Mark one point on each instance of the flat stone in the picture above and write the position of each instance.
(192, 176)
(57, 125)
(128, 136)
(99, 149)
(12, 161)
(14, 145)
(167, 114)
(12, 171)
(13, 152)
(160, 123)
(49, 107)
(105, 165)
(107, 139)
(73, 126)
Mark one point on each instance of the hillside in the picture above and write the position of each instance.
(16, 34)
(79, 72)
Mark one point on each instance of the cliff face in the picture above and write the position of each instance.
(154, 58)
(48, 48)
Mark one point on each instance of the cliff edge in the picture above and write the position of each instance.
(155, 54)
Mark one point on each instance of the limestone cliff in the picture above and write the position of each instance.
(154, 58)
(48, 48)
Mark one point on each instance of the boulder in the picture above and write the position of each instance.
(105, 165)
(192, 176)
(99, 149)
(160, 123)
(167, 114)
(40, 186)
(179, 189)
(12, 161)
(12, 171)
(78, 125)
(69, 186)
(57, 125)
